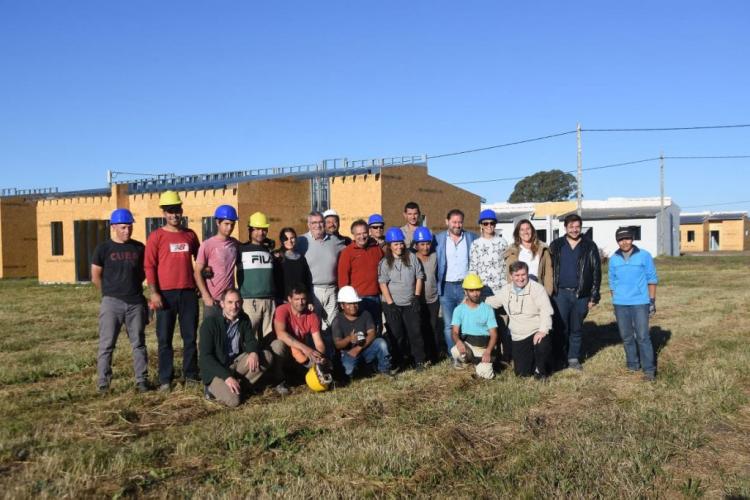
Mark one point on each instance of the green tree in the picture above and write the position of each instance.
(552, 185)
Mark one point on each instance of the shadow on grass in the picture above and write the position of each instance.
(597, 337)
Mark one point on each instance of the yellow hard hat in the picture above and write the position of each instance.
(259, 220)
(472, 282)
(168, 198)
(317, 380)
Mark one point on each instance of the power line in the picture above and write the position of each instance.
(515, 143)
(614, 165)
(551, 136)
(663, 129)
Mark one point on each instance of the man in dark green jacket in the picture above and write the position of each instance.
(229, 352)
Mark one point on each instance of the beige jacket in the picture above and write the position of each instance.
(529, 311)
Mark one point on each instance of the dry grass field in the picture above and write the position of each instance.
(599, 433)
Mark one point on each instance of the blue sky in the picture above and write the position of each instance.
(191, 87)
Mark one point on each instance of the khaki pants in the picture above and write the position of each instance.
(239, 370)
(474, 355)
(324, 300)
(261, 316)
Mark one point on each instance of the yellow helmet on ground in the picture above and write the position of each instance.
(317, 378)
(168, 198)
(472, 282)
(259, 220)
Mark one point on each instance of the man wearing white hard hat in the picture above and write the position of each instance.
(332, 224)
(354, 335)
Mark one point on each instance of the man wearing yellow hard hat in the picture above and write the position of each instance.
(474, 330)
(170, 251)
(255, 276)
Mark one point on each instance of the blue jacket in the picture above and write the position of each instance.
(442, 261)
(629, 279)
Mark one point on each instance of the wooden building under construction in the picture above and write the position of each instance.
(68, 226)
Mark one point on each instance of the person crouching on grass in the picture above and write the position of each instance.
(474, 330)
(354, 336)
(529, 320)
(229, 352)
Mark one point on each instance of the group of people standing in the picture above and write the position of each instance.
(324, 306)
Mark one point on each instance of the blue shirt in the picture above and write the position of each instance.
(457, 258)
(474, 321)
(569, 266)
(629, 279)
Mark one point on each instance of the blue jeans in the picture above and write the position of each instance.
(632, 321)
(572, 313)
(378, 350)
(452, 296)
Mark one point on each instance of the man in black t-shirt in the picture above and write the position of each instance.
(117, 270)
(354, 335)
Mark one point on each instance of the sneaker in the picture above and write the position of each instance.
(457, 365)
(541, 378)
(574, 364)
(393, 371)
(142, 387)
(103, 388)
(649, 376)
(208, 394)
(165, 387)
(281, 389)
(419, 367)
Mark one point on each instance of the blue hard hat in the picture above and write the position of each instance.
(422, 235)
(121, 216)
(393, 235)
(375, 219)
(487, 215)
(226, 212)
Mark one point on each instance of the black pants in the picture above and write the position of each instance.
(527, 357)
(432, 333)
(405, 332)
(503, 333)
(182, 304)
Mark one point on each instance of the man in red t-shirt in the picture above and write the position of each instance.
(169, 272)
(299, 329)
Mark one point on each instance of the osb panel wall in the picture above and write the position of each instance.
(18, 247)
(285, 201)
(434, 196)
(61, 268)
(195, 204)
(355, 197)
(731, 234)
(700, 244)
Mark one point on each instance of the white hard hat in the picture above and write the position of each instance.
(330, 213)
(348, 295)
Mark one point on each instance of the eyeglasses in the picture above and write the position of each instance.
(488, 223)
(173, 209)
(377, 227)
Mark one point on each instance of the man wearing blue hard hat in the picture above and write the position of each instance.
(376, 225)
(117, 271)
(216, 261)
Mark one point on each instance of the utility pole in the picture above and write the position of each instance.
(661, 205)
(580, 171)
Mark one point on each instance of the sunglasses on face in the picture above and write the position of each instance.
(173, 210)
(377, 227)
(489, 223)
